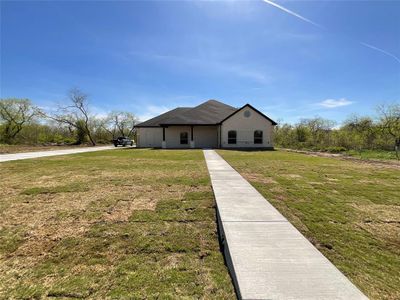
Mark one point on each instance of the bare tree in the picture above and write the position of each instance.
(389, 116)
(361, 131)
(107, 123)
(14, 114)
(319, 128)
(77, 115)
(122, 123)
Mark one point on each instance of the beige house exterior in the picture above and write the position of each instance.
(212, 124)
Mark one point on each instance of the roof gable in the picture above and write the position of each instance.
(256, 110)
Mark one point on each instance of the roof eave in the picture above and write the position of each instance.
(146, 126)
(188, 124)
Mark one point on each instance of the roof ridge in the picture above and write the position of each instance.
(215, 101)
(209, 112)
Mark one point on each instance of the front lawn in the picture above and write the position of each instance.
(127, 223)
(350, 210)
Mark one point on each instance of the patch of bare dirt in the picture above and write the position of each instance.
(389, 232)
(367, 181)
(382, 221)
(277, 189)
(280, 197)
(292, 176)
(332, 179)
(172, 260)
(381, 213)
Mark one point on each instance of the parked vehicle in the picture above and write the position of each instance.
(123, 141)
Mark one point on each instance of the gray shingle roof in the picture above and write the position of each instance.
(156, 121)
(210, 112)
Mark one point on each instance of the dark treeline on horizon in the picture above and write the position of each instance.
(22, 122)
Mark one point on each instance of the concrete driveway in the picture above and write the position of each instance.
(27, 155)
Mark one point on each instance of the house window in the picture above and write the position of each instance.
(258, 137)
(232, 137)
(184, 138)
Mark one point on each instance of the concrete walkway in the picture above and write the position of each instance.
(268, 257)
(27, 155)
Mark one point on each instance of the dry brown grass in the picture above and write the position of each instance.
(51, 217)
(258, 178)
(382, 221)
(58, 215)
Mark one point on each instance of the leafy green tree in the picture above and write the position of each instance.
(14, 115)
(284, 135)
(389, 117)
(81, 131)
(302, 133)
(361, 130)
(320, 130)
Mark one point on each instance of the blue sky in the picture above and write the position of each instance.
(296, 60)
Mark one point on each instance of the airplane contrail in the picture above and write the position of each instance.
(320, 26)
(381, 50)
(292, 13)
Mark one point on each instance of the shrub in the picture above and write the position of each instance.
(69, 140)
(336, 149)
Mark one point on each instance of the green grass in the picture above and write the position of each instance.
(373, 154)
(350, 210)
(121, 224)
(68, 188)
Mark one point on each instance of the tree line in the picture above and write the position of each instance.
(22, 122)
(359, 133)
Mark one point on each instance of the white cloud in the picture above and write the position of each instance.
(333, 103)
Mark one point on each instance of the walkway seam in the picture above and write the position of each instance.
(268, 258)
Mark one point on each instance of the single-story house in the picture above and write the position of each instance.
(211, 124)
